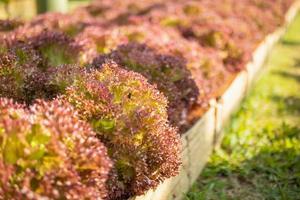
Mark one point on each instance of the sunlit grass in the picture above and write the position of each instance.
(260, 154)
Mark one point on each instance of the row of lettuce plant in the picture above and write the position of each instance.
(92, 103)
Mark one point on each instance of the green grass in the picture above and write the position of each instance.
(259, 158)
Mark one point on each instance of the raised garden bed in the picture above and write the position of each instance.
(136, 80)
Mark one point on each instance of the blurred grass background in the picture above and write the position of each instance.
(26, 9)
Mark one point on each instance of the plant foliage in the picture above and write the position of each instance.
(47, 152)
(130, 117)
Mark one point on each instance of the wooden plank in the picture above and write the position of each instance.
(234, 95)
(203, 124)
(292, 12)
(174, 187)
(201, 144)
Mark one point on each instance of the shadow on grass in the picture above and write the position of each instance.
(289, 75)
(290, 42)
(272, 173)
(291, 104)
(297, 62)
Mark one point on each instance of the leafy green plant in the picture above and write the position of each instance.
(129, 115)
(168, 72)
(47, 152)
